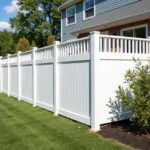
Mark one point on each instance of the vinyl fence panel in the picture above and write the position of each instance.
(77, 79)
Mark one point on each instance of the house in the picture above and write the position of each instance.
(112, 17)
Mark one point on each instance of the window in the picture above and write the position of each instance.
(138, 32)
(89, 9)
(71, 15)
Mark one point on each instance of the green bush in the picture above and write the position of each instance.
(136, 96)
(33, 44)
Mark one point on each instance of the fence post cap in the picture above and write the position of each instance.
(34, 48)
(56, 42)
(19, 52)
(95, 32)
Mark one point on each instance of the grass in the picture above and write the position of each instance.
(26, 128)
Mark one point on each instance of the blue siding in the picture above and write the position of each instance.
(66, 30)
(102, 6)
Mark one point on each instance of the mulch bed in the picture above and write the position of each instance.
(127, 134)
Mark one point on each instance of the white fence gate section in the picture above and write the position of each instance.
(76, 79)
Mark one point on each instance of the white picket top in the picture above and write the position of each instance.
(13, 58)
(26, 56)
(75, 47)
(121, 44)
(45, 52)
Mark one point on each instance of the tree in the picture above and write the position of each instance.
(23, 45)
(37, 19)
(50, 39)
(7, 44)
(136, 97)
(33, 44)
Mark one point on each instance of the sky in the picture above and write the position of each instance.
(8, 9)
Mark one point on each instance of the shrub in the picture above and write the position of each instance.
(51, 39)
(33, 44)
(23, 45)
(136, 96)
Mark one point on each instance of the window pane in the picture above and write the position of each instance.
(140, 32)
(71, 19)
(128, 33)
(89, 13)
(89, 4)
(70, 12)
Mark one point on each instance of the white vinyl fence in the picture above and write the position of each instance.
(76, 79)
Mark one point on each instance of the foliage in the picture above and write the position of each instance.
(33, 44)
(136, 97)
(23, 45)
(7, 44)
(50, 39)
(37, 19)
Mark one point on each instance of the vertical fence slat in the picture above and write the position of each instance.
(133, 46)
(105, 44)
(143, 47)
(147, 47)
(113, 45)
(109, 45)
(118, 48)
(125, 46)
(121, 47)
(129, 46)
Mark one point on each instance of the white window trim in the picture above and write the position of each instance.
(89, 8)
(74, 6)
(135, 27)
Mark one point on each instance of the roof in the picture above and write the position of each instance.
(129, 13)
(68, 4)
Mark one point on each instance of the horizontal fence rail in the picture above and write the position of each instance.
(76, 47)
(45, 52)
(120, 44)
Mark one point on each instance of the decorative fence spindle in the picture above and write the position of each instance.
(44, 53)
(77, 47)
(121, 44)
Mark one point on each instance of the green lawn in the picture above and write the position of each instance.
(23, 127)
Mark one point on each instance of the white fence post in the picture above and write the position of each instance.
(34, 76)
(56, 78)
(19, 76)
(1, 74)
(94, 47)
(8, 68)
